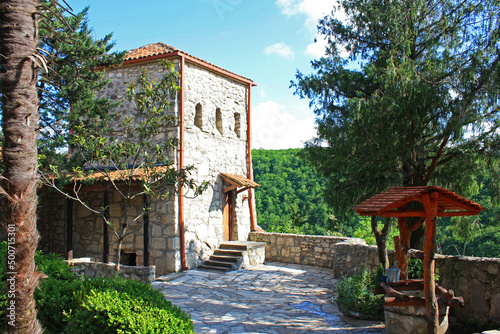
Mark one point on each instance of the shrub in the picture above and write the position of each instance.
(355, 295)
(68, 304)
(117, 312)
(416, 269)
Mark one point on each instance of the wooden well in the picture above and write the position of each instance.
(431, 202)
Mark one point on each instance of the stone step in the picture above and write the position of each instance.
(226, 258)
(233, 246)
(224, 264)
(228, 252)
(214, 268)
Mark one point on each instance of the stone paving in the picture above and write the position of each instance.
(274, 298)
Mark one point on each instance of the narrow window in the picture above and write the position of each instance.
(198, 118)
(218, 118)
(237, 124)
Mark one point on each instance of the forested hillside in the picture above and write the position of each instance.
(290, 200)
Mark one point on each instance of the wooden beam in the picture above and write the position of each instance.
(242, 189)
(69, 229)
(403, 244)
(458, 213)
(228, 189)
(105, 228)
(403, 213)
(146, 228)
(430, 201)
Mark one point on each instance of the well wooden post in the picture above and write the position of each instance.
(402, 244)
(431, 206)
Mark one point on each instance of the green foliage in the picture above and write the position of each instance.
(65, 303)
(76, 63)
(54, 266)
(414, 103)
(115, 312)
(290, 197)
(355, 294)
(416, 269)
(125, 306)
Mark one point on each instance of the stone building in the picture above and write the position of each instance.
(213, 107)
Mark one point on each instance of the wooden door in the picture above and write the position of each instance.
(226, 216)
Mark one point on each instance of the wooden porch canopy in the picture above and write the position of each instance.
(434, 202)
(237, 181)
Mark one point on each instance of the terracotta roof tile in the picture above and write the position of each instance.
(156, 50)
(118, 175)
(149, 50)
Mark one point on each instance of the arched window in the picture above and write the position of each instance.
(218, 119)
(198, 117)
(237, 125)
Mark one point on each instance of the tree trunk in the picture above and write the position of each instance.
(18, 77)
(381, 239)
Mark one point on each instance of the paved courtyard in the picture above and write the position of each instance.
(271, 298)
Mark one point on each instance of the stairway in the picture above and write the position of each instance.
(233, 255)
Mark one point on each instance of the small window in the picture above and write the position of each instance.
(198, 117)
(237, 125)
(218, 118)
(128, 258)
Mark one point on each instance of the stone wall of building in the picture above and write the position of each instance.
(88, 229)
(116, 90)
(98, 269)
(477, 280)
(51, 222)
(215, 109)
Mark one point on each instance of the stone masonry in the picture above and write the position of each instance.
(215, 112)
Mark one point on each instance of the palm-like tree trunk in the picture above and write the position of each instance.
(18, 77)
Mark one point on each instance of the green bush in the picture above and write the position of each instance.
(68, 304)
(416, 269)
(117, 312)
(355, 295)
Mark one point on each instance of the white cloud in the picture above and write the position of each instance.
(274, 128)
(312, 9)
(279, 49)
(317, 49)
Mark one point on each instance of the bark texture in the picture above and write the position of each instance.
(18, 77)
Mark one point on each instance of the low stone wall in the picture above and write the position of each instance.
(477, 280)
(98, 269)
(343, 255)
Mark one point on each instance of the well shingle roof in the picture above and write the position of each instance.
(396, 197)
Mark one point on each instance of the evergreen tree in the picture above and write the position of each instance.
(68, 91)
(415, 103)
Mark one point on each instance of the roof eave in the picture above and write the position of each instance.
(191, 59)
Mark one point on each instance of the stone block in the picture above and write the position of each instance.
(159, 243)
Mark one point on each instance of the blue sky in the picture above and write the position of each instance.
(264, 40)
